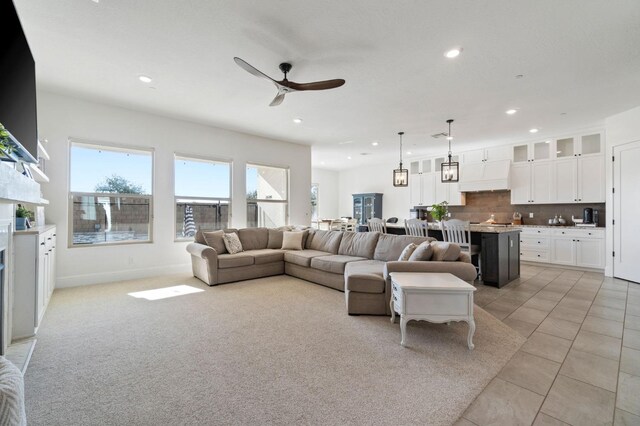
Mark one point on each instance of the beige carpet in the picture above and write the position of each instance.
(271, 351)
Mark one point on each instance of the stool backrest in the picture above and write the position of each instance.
(415, 227)
(457, 231)
(377, 225)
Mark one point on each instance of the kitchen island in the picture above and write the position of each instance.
(499, 251)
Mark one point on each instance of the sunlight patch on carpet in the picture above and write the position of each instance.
(164, 293)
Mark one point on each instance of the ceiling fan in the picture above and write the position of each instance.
(285, 86)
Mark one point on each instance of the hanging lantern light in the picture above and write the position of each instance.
(400, 175)
(450, 171)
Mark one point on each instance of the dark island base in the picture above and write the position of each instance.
(499, 255)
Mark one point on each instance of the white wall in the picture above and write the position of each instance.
(328, 192)
(61, 117)
(375, 178)
(621, 129)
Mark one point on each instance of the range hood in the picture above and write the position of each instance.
(485, 176)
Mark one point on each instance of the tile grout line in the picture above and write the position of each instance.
(624, 321)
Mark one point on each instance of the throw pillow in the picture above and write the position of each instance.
(232, 243)
(445, 252)
(407, 252)
(200, 237)
(422, 253)
(292, 240)
(275, 239)
(215, 240)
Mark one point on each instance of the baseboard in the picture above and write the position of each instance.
(122, 275)
(553, 265)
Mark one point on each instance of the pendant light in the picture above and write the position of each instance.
(400, 175)
(450, 171)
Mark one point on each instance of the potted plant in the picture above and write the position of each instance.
(5, 143)
(439, 211)
(22, 217)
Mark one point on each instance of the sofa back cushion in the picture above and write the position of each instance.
(422, 253)
(390, 247)
(360, 244)
(447, 252)
(214, 239)
(275, 238)
(328, 241)
(254, 238)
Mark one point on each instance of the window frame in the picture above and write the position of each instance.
(265, 200)
(206, 200)
(70, 194)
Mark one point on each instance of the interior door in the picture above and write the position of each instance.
(626, 205)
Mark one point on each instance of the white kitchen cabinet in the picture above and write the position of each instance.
(564, 246)
(34, 279)
(591, 179)
(563, 251)
(590, 252)
(531, 183)
(421, 182)
(580, 146)
(565, 175)
(489, 154)
(532, 151)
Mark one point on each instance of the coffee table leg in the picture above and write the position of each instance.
(393, 311)
(403, 329)
(472, 330)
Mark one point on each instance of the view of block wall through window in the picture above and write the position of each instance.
(110, 194)
(202, 195)
(267, 196)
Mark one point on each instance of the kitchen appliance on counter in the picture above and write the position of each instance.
(587, 215)
(517, 219)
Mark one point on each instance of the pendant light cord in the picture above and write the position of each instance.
(401, 133)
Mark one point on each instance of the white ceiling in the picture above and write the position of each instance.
(578, 57)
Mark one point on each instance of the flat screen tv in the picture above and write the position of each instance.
(17, 81)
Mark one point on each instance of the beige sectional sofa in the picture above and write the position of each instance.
(357, 263)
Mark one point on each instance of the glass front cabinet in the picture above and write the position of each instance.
(367, 206)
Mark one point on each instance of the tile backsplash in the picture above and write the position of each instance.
(481, 205)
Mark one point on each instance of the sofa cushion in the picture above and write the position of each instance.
(365, 276)
(292, 240)
(275, 239)
(214, 239)
(407, 252)
(328, 241)
(232, 243)
(361, 244)
(199, 237)
(254, 238)
(334, 263)
(303, 257)
(234, 260)
(307, 243)
(442, 251)
(260, 257)
(390, 246)
(422, 253)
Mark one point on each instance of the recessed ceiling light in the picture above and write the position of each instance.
(349, 157)
(96, 1)
(511, 111)
(547, 141)
(449, 138)
(322, 163)
(534, 130)
(145, 79)
(453, 53)
(297, 120)
(408, 152)
(375, 143)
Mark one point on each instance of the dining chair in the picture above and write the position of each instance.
(377, 225)
(351, 225)
(337, 224)
(415, 227)
(459, 232)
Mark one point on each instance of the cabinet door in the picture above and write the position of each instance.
(429, 188)
(563, 251)
(456, 198)
(520, 183)
(565, 180)
(415, 190)
(476, 156)
(514, 256)
(442, 190)
(357, 210)
(498, 153)
(591, 179)
(369, 207)
(590, 253)
(590, 144)
(541, 187)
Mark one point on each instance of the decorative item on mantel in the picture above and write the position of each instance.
(400, 175)
(450, 171)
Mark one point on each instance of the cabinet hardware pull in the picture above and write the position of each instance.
(42, 243)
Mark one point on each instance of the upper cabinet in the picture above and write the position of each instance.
(425, 186)
(532, 151)
(579, 146)
(489, 154)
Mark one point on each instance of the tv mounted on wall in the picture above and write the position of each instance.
(17, 81)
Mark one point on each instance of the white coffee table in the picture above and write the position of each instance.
(433, 297)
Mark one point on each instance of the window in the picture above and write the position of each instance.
(202, 195)
(267, 196)
(110, 194)
(314, 202)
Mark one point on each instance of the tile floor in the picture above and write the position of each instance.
(580, 364)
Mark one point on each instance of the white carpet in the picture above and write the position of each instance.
(272, 351)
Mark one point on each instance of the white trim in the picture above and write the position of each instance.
(129, 274)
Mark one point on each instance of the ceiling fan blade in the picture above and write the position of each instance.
(317, 85)
(277, 100)
(251, 69)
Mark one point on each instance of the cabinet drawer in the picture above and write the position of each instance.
(534, 242)
(580, 233)
(534, 255)
(536, 231)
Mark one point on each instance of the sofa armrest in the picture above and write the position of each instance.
(204, 262)
(464, 257)
(463, 270)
